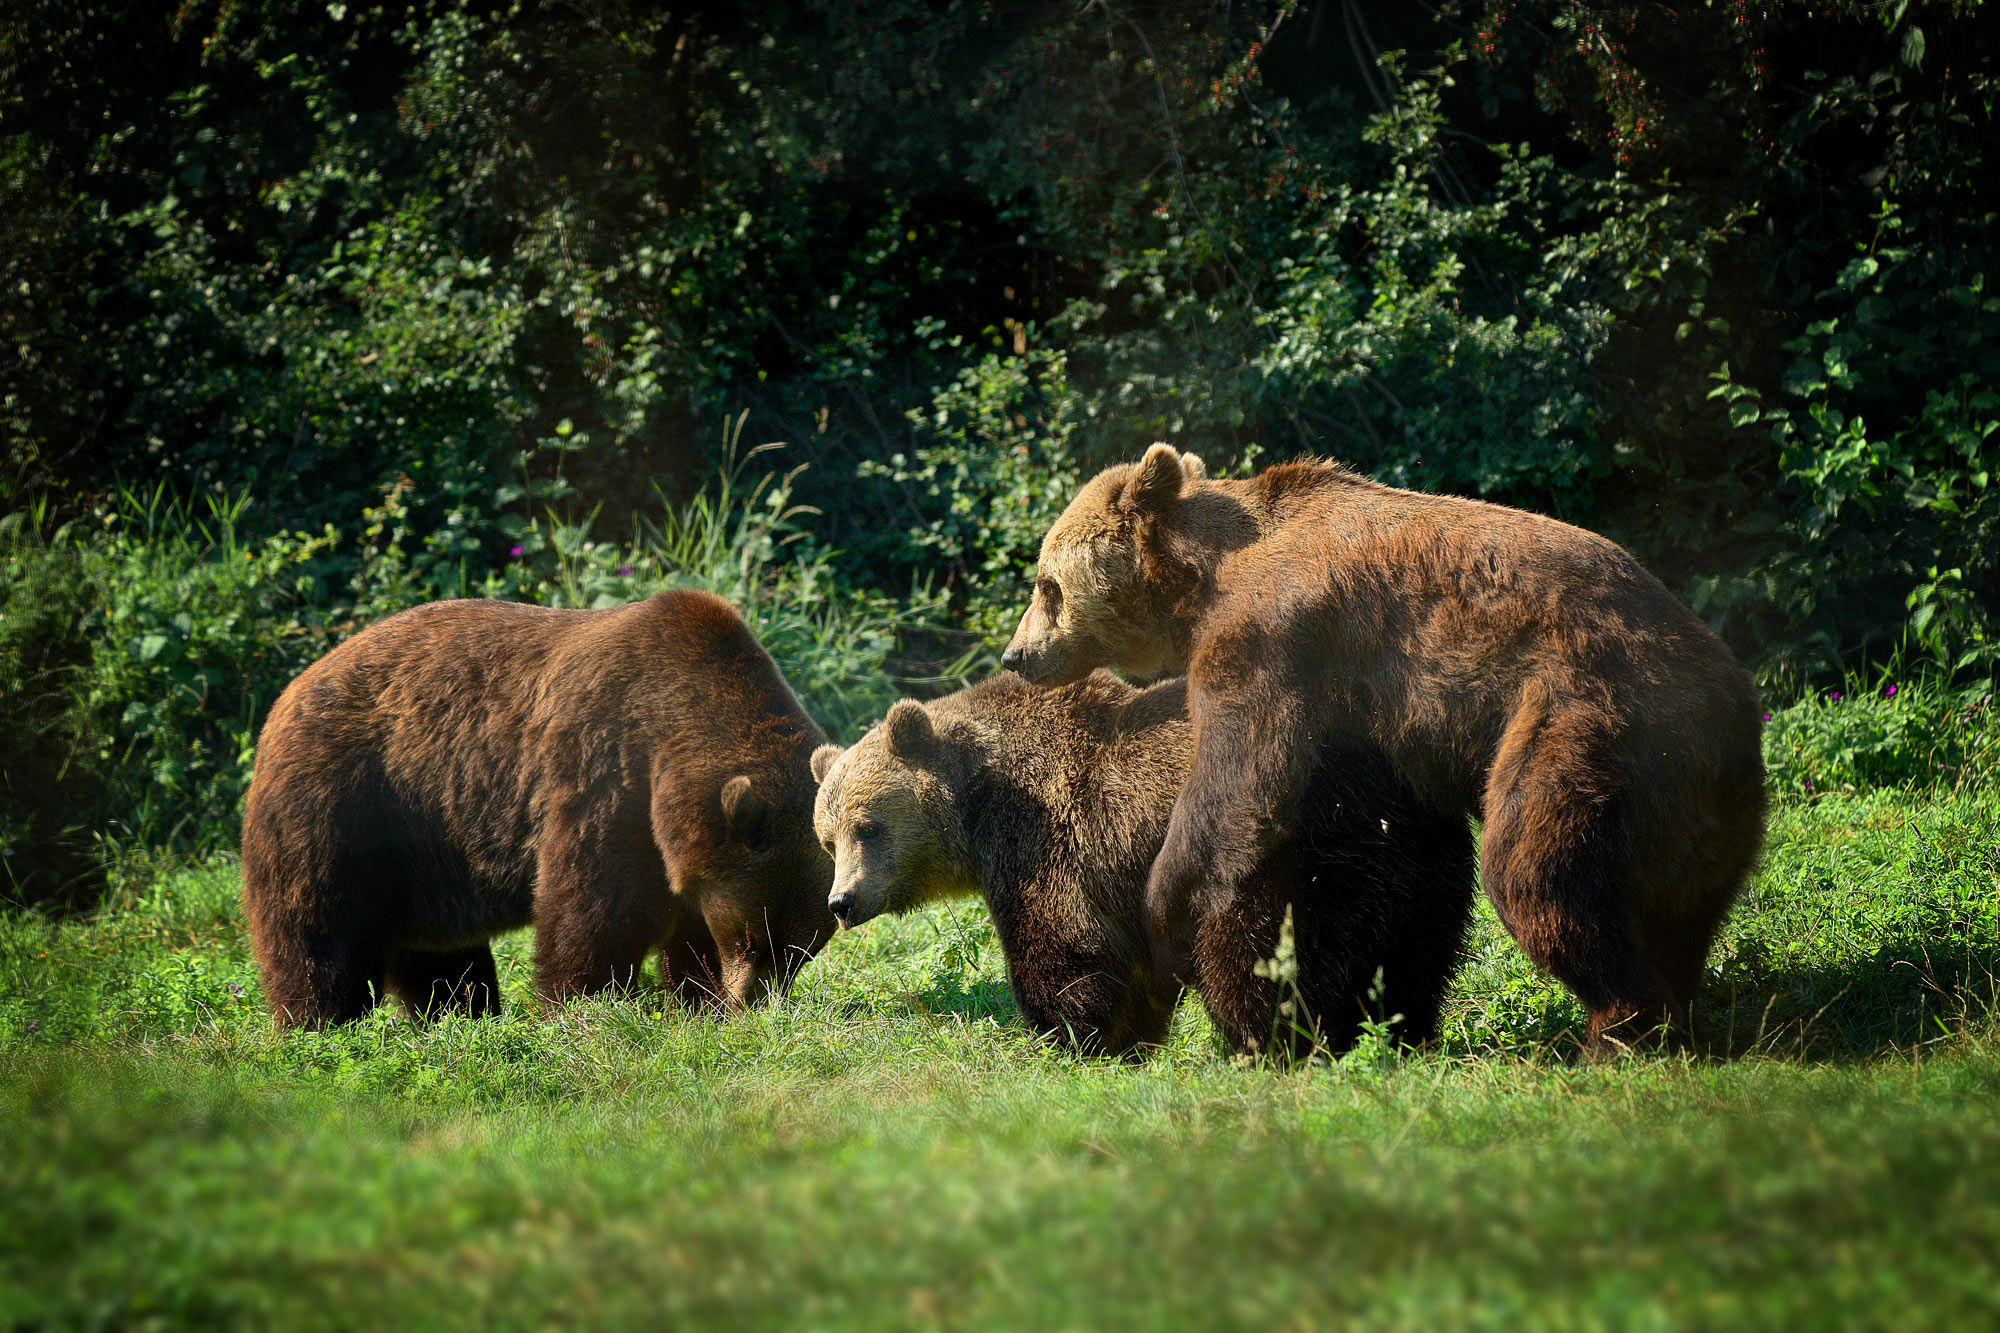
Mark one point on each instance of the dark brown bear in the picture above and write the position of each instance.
(1512, 667)
(626, 779)
(1052, 805)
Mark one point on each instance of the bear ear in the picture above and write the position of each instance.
(1194, 467)
(1157, 481)
(822, 760)
(743, 810)
(910, 731)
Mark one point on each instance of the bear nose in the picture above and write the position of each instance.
(1011, 659)
(842, 906)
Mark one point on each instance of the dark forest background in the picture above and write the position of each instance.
(311, 312)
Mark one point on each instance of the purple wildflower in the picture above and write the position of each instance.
(1767, 717)
(1833, 696)
(1890, 693)
(625, 571)
(234, 987)
(514, 551)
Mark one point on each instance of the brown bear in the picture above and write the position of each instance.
(625, 779)
(1052, 805)
(1513, 667)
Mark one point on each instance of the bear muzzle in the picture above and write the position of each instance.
(851, 909)
(1048, 666)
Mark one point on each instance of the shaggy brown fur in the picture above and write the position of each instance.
(1512, 666)
(1052, 805)
(625, 779)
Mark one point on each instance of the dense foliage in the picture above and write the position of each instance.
(312, 311)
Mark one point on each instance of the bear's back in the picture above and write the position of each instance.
(464, 718)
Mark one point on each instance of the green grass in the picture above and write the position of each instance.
(889, 1146)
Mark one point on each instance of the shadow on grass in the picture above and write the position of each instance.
(1910, 991)
(981, 1000)
(944, 995)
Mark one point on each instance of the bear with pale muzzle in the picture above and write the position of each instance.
(1051, 806)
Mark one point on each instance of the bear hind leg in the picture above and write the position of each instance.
(1679, 946)
(455, 980)
(314, 908)
(1682, 911)
(1551, 862)
(1567, 916)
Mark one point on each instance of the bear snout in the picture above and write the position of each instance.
(1044, 666)
(851, 909)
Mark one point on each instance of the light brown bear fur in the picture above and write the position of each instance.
(625, 779)
(1052, 805)
(1514, 667)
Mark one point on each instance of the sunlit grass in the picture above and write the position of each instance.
(891, 1145)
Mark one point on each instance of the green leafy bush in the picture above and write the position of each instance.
(1387, 315)
(1893, 525)
(140, 646)
(1909, 733)
(50, 795)
(744, 540)
(998, 472)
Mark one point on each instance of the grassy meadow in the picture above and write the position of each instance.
(890, 1145)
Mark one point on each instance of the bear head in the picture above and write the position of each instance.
(760, 887)
(1092, 605)
(887, 813)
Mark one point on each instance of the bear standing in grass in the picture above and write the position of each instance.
(1512, 666)
(1052, 804)
(625, 779)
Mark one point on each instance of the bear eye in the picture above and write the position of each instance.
(867, 832)
(1050, 590)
